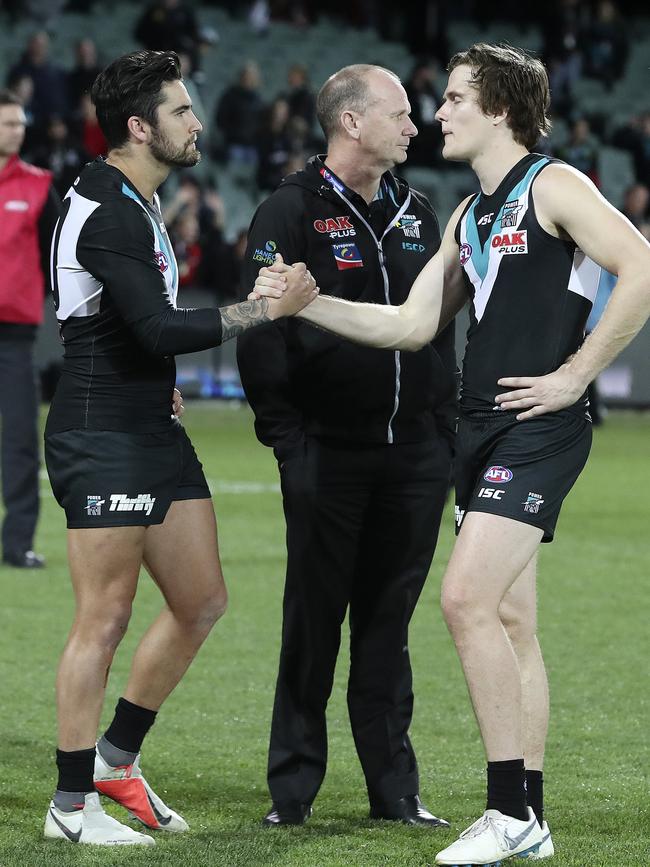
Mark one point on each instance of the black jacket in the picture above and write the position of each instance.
(301, 380)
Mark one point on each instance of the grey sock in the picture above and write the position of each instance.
(69, 802)
(114, 756)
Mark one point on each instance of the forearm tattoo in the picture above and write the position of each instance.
(240, 317)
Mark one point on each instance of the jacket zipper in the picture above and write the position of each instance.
(384, 273)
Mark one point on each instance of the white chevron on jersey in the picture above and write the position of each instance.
(79, 292)
(585, 276)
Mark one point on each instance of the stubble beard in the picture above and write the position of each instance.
(163, 150)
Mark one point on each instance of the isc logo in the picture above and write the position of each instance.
(491, 493)
(498, 475)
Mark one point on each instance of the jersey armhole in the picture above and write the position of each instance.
(472, 199)
(532, 211)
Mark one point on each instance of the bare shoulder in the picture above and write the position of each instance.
(559, 179)
(561, 192)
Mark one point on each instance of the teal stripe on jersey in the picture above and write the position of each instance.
(481, 254)
(127, 191)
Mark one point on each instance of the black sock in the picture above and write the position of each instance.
(535, 794)
(75, 770)
(506, 790)
(130, 725)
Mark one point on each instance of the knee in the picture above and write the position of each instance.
(104, 626)
(206, 611)
(461, 609)
(518, 624)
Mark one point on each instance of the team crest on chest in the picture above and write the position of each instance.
(510, 213)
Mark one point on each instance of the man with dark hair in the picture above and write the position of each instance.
(363, 441)
(119, 461)
(30, 208)
(528, 252)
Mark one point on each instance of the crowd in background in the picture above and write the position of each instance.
(264, 141)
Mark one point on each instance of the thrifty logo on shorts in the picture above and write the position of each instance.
(141, 503)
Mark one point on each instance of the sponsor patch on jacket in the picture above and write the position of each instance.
(410, 225)
(266, 254)
(347, 256)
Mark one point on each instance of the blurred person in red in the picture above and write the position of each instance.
(29, 209)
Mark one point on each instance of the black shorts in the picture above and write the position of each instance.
(519, 469)
(120, 479)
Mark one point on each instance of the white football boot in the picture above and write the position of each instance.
(91, 825)
(546, 850)
(126, 786)
(492, 839)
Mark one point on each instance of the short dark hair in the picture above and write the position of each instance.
(509, 79)
(347, 89)
(8, 97)
(132, 85)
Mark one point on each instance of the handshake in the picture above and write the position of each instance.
(288, 288)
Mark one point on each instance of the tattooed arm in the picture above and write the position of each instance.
(238, 317)
(300, 289)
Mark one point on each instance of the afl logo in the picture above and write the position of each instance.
(498, 475)
(465, 253)
(161, 261)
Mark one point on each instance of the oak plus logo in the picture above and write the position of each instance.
(511, 243)
(335, 227)
(124, 503)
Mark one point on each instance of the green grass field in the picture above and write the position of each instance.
(206, 754)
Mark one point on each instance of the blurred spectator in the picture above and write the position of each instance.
(23, 88)
(239, 113)
(43, 12)
(635, 138)
(89, 132)
(49, 79)
(84, 72)
(228, 283)
(259, 17)
(29, 210)
(300, 97)
(561, 22)
(605, 45)
(61, 154)
(273, 145)
(186, 237)
(636, 202)
(170, 24)
(425, 98)
(581, 150)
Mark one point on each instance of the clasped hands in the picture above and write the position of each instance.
(291, 283)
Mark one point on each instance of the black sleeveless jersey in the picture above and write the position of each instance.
(531, 293)
(115, 279)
